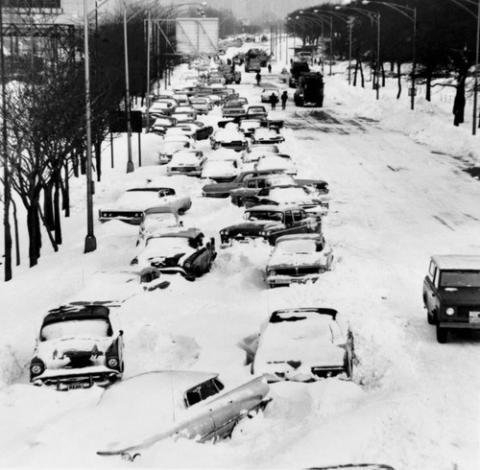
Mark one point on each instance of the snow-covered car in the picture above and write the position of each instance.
(131, 205)
(184, 117)
(77, 346)
(186, 163)
(185, 109)
(183, 252)
(172, 144)
(248, 126)
(270, 222)
(181, 98)
(163, 106)
(247, 194)
(304, 344)
(266, 136)
(451, 294)
(256, 112)
(156, 221)
(189, 404)
(220, 171)
(189, 129)
(273, 162)
(288, 194)
(233, 109)
(161, 124)
(268, 91)
(229, 138)
(202, 105)
(297, 259)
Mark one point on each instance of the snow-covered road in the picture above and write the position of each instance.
(413, 404)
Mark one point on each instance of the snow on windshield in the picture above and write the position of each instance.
(303, 325)
(167, 246)
(75, 328)
(297, 246)
(153, 221)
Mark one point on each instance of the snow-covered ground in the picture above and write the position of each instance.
(398, 195)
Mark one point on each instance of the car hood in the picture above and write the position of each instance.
(252, 227)
(460, 296)
(65, 352)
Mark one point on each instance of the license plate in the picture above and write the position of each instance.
(474, 316)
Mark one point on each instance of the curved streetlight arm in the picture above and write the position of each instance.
(372, 16)
(465, 8)
(402, 9)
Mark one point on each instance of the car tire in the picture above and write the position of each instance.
(442, 334)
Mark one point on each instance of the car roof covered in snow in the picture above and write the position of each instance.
(159, 210)
(76, 312)
(148, 189)
(272, 207)
(460, 262)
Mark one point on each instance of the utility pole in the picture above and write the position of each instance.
(475, 86)
(377, 85)
(149, 40)
(130, 166)
(90, 240)
(350, 28)
(6, 177)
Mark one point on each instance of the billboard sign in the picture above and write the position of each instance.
(196, 36)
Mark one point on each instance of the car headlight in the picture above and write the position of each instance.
(223, 232)
(37, 367)
(112, 362)
(450, 311)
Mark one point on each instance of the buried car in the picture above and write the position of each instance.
(186, 163)
(304, 344)
(451, 294)
(297, 259)
(229, 138)
(189, 404)
(270, 222)
(131, 205)
(220, 171)
(77, 347)
(266, 136)
(156, 221)
(183, 252)
(171, 144)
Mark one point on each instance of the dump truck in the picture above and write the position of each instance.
(309, 90)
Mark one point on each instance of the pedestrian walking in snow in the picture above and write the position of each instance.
(284, 99)
(258, 78)
(273, 101)
(269, 68)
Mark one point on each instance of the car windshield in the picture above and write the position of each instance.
(297, 246)
(155, 221)
(256, 109)
(288, 194)
(460, 279)
(233, 104)
(167, 246)
(74, 328)
(264, 215)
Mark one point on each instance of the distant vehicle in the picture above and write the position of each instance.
(267, 136)
(171, 145)
(186, 163)
(157, 221)
(202, 105)
(190, 404)
(304, 344)
(310, 90)
(185, 109)
(228, 138)
(184, 117)
(131, 205)
(249, 194)
(296, 70)
(78, 346)
(267, 93)
(161, 124)
(182, 252)
(233, 108)
(181, 98)
(165, 107)
(303, 56)
(248, 126)
(273, 162)
(220, 171)
(451, 294)
(253, 61)
(270, 222)
(297, 259)
(256, 112)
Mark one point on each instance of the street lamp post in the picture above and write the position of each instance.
(130, 166)
(90, 240)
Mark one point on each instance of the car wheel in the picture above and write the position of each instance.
(442, 334)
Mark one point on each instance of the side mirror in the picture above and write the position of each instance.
(181, 223)
(134, 261)
(120, 332)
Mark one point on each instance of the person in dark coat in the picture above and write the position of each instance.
(273, 101)
(269, 68)
(284, 99)
(258, 78)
